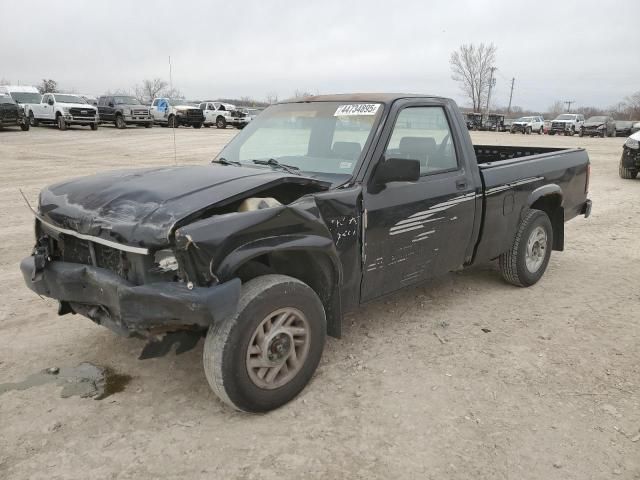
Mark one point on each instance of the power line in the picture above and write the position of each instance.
(568, 104)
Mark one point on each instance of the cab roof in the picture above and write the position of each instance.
(360, 97)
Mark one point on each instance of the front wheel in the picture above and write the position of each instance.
(197, 125)
(527, 259)
(221, 122)
(172, 122)
(527, 131)
(120, 123)
(62, 125)
(32, 120)
(94, 126)
(263, 356)
(626, 172)
(24, 126)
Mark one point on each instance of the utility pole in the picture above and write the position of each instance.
(511, 95)
(491, 82)
(568, 104)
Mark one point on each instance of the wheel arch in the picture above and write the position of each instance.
(549, 199)
(311, 259)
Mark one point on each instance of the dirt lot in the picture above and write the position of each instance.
(550, 391)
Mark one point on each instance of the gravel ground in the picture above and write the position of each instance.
(550, 389)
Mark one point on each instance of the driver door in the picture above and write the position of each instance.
(417, 230)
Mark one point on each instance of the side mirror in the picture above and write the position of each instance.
(396, 170)
(50, 101)
(111, 104)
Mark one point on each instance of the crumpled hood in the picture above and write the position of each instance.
(142, 207)
(593, 124)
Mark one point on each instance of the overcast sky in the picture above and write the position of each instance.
(587, 51)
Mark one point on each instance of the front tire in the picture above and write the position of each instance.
(94, 126)
(263, 356)
(32, 120)
(120, 123)
(626, 172)
(25, 126)
(62, 125)
(197, 125)
(221, 122)
(172, 122)
(527, 259)
(527, 131)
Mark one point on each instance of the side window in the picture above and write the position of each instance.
(423, 134)
(155, 103)
(45, 98)
(203, 106)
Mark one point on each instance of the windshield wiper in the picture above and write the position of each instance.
(272, 162)
(224, 161)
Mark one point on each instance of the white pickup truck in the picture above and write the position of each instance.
(64, 109)
(222, 114)
(567, 124)
(169, 112)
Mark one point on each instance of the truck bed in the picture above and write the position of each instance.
(513, 177)
(495, 153)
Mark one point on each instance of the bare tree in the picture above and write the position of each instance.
(471, 67)
(633, 106)
(4, 81)
(156, 87)
(555, 109)
(48, 86)
(272, 97)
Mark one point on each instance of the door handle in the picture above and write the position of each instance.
(461, 184)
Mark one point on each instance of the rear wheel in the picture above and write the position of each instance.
(62, 125)
(263, 356)
(120, 123)
(527, 259)
(626, 172)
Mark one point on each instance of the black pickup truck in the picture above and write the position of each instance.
(319, 205)
(12, 114)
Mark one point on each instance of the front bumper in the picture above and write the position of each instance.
(593, 131)
(235, 121)
(70, 119)
(138, 119)
(190, 121)
(128, 309)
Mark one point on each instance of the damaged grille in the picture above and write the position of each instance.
(75, 250)
(195, 112)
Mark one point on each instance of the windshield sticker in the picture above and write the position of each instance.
(346, 164)
(357, 109)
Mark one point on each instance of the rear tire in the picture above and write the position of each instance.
(527, 259)
(626, 172)
(280, 323)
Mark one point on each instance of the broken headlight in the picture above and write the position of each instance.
(632, 143)
(165, 261)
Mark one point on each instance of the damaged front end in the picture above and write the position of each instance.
(118, 271)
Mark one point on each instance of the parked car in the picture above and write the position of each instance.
(12, 114)
(635, 128)
(169, 112)
(222, 114)
(507, 123)
(546, 127)
(24, 95)
(265, 250)
(600, 126)
(630, 159)
(474, 121)
(251, 113)
(567, 124)
(124, 110)
(624, 128)
(494, 123)
(63, 110)
(528, 125)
